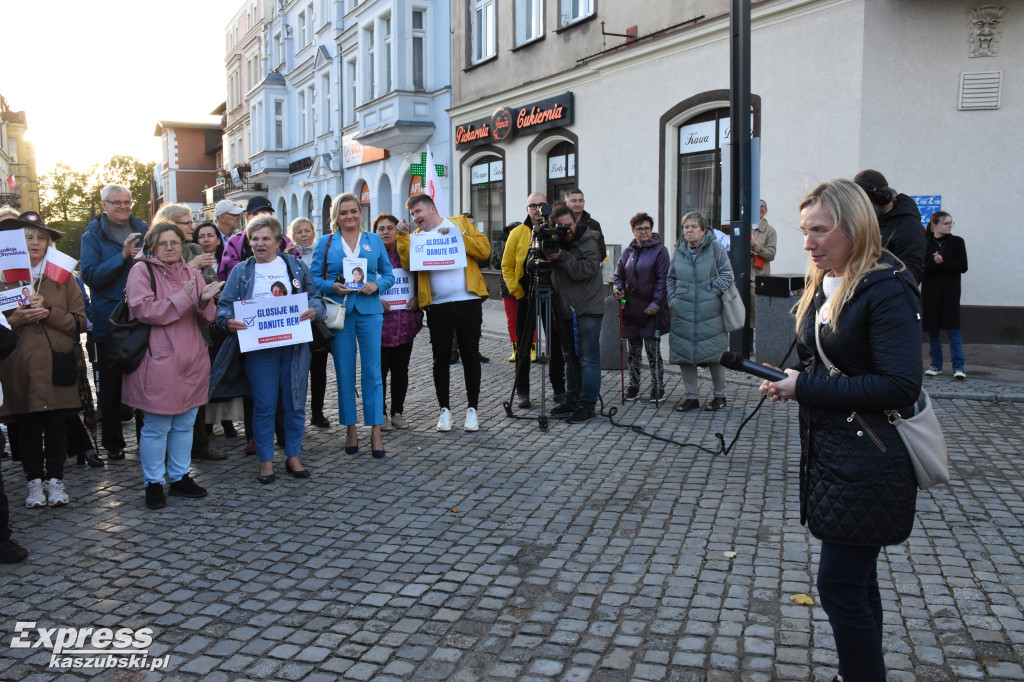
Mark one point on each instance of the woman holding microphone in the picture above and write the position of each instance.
(859, 339)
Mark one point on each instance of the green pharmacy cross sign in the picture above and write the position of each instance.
(420, 168)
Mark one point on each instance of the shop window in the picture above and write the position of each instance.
(701, 140)
(487, 195)
(561, 171)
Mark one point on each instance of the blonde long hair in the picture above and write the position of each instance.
(851, 211)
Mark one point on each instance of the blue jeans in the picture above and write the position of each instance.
(848, 589)
(363, 330)
(581, 343)
(956, 349)
(166, 438)
(270, 379)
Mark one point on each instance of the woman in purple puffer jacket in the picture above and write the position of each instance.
(640, 277)
(400, 325)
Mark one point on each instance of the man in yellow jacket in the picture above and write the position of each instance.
(453, 300)
(513, 271)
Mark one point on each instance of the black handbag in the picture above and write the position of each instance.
(127, 339)
(64, 366)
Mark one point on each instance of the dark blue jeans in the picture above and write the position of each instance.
(848, 589)
(581, 342)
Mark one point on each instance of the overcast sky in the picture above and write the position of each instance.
(93, 78)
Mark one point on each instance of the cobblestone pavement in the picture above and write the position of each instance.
(587, 552)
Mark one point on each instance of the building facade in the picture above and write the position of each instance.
(190, 158)
(395, 90)
(630, 102)
(295, 149)
(17, 162)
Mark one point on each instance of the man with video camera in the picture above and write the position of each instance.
(572, 252)
(520, 284)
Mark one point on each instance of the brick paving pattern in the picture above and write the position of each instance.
(587, 552)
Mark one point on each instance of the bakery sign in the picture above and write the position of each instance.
(506, 122)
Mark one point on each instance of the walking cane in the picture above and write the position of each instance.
(622, 370)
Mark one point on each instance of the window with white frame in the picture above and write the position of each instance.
(234, 89)
(325, 13)
(309, 21)
(482, 30)
(574, 10)
(278, 124)
(278, 55)
(351, 90)
(310, 130)
(419, 44)
(325, 104)
(303, 35)
(255, 119)
(302, 116)
(529, 20)
(385, 29)
(371, 52)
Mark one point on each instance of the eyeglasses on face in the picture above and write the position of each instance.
(169, 245)
(119, 204)
(643, 228)
(185, 223)
(534, 207)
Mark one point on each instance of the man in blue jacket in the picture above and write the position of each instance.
(109, 246)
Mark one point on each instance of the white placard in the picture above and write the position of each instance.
(13, 298)
(435, 251)
(354, 270)
(273, 321)
(401, 291)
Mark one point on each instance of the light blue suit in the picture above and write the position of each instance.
(364, 316)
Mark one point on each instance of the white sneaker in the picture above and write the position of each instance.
(445, 421)
(932, 371)
(36, 496)
(398, 421)
(56, 496)
(471, 422)
(959, 374)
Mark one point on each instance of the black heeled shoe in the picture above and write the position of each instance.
(296, 473)
(94, 460)
(378, 454)
(268, 478)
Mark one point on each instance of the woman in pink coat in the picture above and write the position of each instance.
(174, 377)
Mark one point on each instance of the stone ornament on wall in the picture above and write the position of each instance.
(986, 25)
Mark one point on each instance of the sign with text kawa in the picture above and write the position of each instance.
(435, 251)
(401, 291)
(273, 321)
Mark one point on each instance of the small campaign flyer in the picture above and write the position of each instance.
(354, 271)
(273, 321)
(399, 294)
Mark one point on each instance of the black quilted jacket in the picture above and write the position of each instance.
(857, 484)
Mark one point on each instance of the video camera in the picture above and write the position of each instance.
(547, 240)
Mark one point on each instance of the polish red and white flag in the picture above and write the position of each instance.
(59, 266)
(11, 183)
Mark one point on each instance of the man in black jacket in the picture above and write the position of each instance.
(10, 551)
(898, 220)
(577, 204)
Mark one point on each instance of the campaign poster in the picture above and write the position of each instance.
(399, 294)
(435, 251)
(14, 298)
(273, 321)
(354, 272)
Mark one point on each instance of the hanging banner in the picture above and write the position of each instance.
(435, 251)
(401, 291)
(273, 321)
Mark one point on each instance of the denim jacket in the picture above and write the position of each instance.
(227, 378)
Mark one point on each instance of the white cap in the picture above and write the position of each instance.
(226, 206)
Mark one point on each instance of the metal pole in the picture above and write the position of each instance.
(740, 195)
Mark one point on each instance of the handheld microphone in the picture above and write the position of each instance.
(740, 364)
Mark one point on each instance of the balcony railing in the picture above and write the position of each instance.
(226, 189)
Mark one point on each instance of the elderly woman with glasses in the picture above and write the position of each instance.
(271, 375)
(173, 380)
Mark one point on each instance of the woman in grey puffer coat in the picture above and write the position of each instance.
(699, 275)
